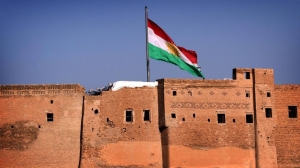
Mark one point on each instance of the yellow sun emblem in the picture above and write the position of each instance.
(172, 49)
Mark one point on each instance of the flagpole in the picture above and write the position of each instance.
(147, 55)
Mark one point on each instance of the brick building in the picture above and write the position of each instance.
(247, 121)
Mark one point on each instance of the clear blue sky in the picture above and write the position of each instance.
(98, 42)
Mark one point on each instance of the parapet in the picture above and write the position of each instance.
(49, 89)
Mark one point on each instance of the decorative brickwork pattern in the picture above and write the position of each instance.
(209, 105)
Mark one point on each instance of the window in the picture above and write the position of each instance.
(190, 93)
(146, 115)
(194, 115)
(51, 101)
(174, 93)
(208, 120)
(234, 74)
(247, 75)
(233, 120)
(50, 117)
(268, 94)
(96, 111)
(247, 94)
(129, 117)
(221, 118)
(292, 111)
(173, 115)
(249, 118)
(268, 113)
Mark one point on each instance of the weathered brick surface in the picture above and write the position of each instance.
(91, 131)
(27, 139)
(195, 138)
(288, 129)
(110, 141)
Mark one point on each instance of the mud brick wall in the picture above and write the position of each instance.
(288, 128)
(27, 139)
(194, 138)
(192, 123)
(110, 141)
(263, 80)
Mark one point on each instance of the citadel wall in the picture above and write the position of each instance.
(40, 125)
(119, 133)
(288, 129)
(245, 122)
(208, 123)
(265, 117)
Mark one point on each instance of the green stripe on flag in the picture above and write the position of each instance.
(160, 54)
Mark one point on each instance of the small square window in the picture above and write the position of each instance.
(247, 94)
(208, 120)
(183, 119)
(51, 101)
(173, 115)
(268, 113)
(146, 115)
(247, 75)
(50, 117)
(96, 111)
(194, 115)
(221, 118)
(233, 120)
(292, 111)
(268, 94)
(174, 93)
(249, 118)
(129, 117)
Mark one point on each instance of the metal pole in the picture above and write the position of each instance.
(147, 54)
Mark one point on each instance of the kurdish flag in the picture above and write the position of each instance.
(161, 47)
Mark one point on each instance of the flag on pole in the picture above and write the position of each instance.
(161, 47)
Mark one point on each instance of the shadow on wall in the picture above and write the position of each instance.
(162, 128)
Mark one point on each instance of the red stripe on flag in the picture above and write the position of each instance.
(190, 54)
(159, 32)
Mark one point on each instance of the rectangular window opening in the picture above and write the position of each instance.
(208, 120)
(247, 94)
(146, 115)
(234, 74)
(233, 120)
(51, 101)
(268, 94)
(190, 93)
(129, 117)
(247, 75)
(194, 115)
(293, 112)
(221, 118)
(50, 117)
(268, 113)
(173, 115)
(174, 93)
(249, 118)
